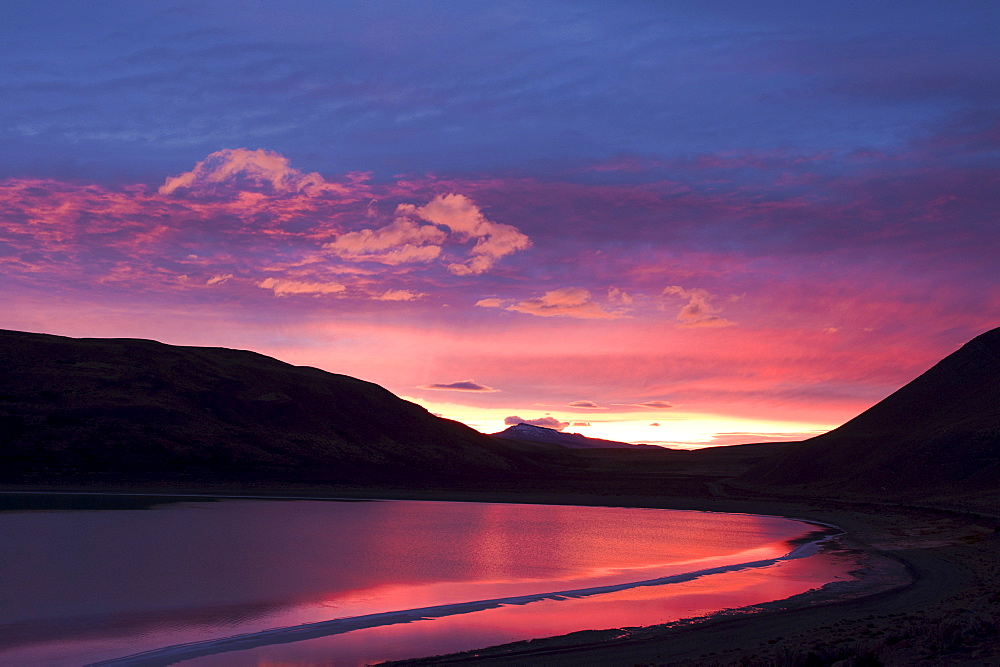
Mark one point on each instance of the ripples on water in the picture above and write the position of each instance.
(88, 585)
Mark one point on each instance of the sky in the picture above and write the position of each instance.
(682, 223)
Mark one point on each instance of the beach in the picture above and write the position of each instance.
(927, 592)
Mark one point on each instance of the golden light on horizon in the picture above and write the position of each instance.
(676, 429)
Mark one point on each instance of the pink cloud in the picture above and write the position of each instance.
(465, 219)
(399, 295)
(401, 241)
(219, 280)
(451, 216)
(699, 310)
(899, 259)
(244, 168)
(289, 287)
(575, 302)
(619, 297)
(783, 367)
(783, 371)
(490, 303)
(242, 212)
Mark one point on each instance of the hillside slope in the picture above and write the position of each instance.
(72, 406)
(531, 433)
(939, 433)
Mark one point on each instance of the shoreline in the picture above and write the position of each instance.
(805, 548)
(619, 644)
(947, 611)
(928, 573)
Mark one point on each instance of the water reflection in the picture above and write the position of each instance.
(635, 607)
(95, 585)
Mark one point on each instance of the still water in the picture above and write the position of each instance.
(244, 582)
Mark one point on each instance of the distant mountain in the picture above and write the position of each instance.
(938, 434)
(530, 433)
(139, 408)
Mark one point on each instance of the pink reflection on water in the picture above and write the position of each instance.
(631, 608)
(204, 572)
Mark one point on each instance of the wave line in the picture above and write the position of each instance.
(178, 652)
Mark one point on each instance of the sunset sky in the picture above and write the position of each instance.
(676, 222)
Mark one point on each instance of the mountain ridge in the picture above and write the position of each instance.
(94, 405)
(531, 433)
(940, 432)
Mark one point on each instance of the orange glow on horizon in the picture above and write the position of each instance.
(671, 428)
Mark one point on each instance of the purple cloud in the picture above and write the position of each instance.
(547, 422)
(461, 385)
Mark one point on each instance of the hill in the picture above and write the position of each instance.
(140, 408)
(939, 434)
(530, 433)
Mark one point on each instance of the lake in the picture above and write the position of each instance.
(130, 580)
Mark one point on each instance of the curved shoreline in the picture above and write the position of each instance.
(284, 635)
(949, 613)
(917, 600)
(603, 647)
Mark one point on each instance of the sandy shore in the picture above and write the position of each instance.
(929, 590)
(928, 593)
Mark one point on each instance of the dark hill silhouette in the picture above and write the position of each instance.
(146, 409)
(539, 434)
(939, 434)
